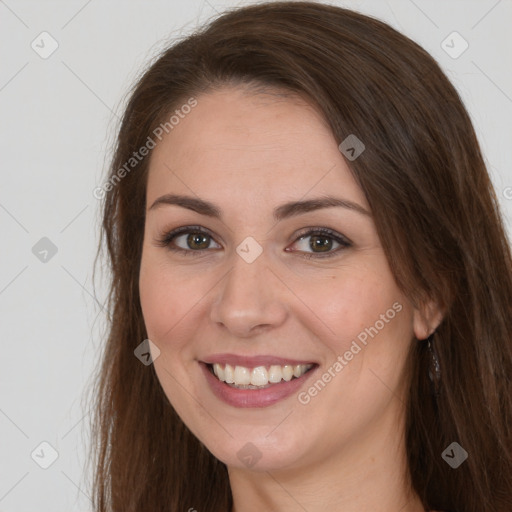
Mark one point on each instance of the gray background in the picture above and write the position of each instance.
(58, 119)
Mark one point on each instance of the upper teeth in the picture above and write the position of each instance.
(259, 376)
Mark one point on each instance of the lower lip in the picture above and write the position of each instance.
(254, 397)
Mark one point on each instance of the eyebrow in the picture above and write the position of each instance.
(284, 211)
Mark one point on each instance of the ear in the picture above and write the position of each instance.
(426, 320)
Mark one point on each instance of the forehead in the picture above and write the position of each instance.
(235, 145)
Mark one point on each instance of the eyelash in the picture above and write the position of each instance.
(166, 239)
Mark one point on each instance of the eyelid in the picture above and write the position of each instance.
(165, 239)
(340, 239)
(324, 231)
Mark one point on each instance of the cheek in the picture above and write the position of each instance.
(167, 299)
(369, 326)
(167, 302)
(353, 300)
(339, 304)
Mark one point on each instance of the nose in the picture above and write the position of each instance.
(250, 298)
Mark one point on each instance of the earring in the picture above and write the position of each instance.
(434, 370)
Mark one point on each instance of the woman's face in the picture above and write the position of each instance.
(251, 283)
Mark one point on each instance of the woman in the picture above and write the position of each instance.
(311, 284)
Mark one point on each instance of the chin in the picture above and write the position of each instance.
(257, 450)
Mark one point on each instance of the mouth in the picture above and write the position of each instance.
(255, 381)
(258, 377)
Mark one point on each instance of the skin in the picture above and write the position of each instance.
(248, 154)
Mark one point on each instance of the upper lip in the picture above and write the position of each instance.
(251, 361)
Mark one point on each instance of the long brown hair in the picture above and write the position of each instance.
(437, 217)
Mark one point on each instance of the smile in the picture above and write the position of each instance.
(260, 377)
(257, 381)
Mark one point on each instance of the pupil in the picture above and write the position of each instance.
(322, 246)
(196, 238)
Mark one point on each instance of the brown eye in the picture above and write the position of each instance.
(321, 243)
(187, 240)
(197, 241)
